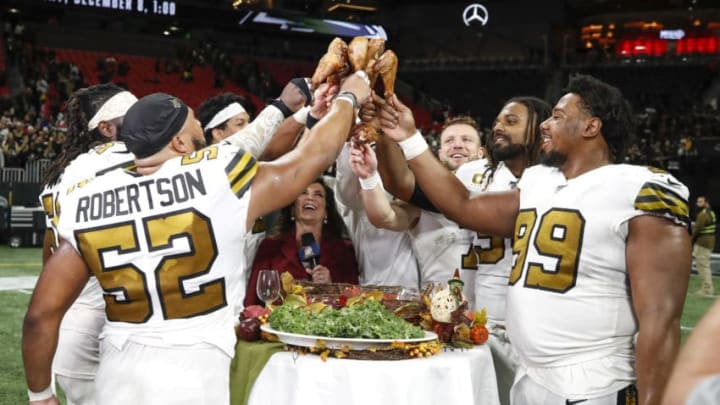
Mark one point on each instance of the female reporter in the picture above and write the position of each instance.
(332, 259)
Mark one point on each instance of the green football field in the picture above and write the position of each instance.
(27, 262)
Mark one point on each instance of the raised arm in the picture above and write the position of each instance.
(658, 262)
(397, 176)
(63, 277)
(277, 183)
(380, 212)
(271, 124)
(488, 213)
(699, 358)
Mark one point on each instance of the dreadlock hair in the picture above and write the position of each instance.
(213, 105)
(80, 108)
(606, 102)
(538, 111)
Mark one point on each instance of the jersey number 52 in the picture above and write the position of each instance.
(127, 281)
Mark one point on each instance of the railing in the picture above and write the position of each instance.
(12, 175)
(34, 172)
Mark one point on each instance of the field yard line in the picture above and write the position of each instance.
(686, 328)
(17, 283)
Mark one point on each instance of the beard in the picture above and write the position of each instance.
(510, 151)
(552, 159)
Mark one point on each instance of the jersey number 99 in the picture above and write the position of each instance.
(559, 236)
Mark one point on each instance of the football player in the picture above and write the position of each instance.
(601, 253)
(438, 242)
(94, 116)
(514, 143)
(161, 239)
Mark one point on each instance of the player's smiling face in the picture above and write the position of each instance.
(508, 136)
(459, 143)
(310, 205)
(237, 122)
(562, 130)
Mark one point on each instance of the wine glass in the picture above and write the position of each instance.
(268, 286)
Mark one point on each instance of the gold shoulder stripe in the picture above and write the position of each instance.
(51, 207)
(240, 172)
(658, 200)
(123, 165)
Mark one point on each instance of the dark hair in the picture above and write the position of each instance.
(538, 111)
(606, 102)
(333, 229)
(80, 108)
(213, 105)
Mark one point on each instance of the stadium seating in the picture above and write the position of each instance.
(142, 78)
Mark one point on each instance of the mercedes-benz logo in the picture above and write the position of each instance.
(475, 12)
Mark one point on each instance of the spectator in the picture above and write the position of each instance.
(703, 237)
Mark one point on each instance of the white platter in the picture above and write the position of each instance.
(340, 343)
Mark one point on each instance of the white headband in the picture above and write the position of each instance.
(115, 107)
(225, 114)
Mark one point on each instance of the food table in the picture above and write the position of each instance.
(450, 377)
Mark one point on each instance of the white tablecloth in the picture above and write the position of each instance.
(454, 377)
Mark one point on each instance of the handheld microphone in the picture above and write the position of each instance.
(309, 252)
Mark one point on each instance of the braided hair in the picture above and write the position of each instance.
(80, 109)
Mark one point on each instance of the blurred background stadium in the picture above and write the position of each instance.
(664, 55)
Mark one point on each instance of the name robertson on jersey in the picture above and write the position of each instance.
(125, 200)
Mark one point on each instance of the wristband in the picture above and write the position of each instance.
(413, 146)
(282, 107)
(349, 97)
(311, 121)
(303, 84)
(42, 395)
(371, 182)
(301, 115)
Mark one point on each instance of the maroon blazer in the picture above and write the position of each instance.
(280, 253)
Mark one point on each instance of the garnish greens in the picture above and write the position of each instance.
(366, 320)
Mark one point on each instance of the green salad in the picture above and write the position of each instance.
(366, 320)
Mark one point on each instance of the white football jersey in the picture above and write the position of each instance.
(441, 245)
(492, 257)
(569, 307)
(163, 246)
(96, 161)
(475, 175)
(253, 139)
(384, 257)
